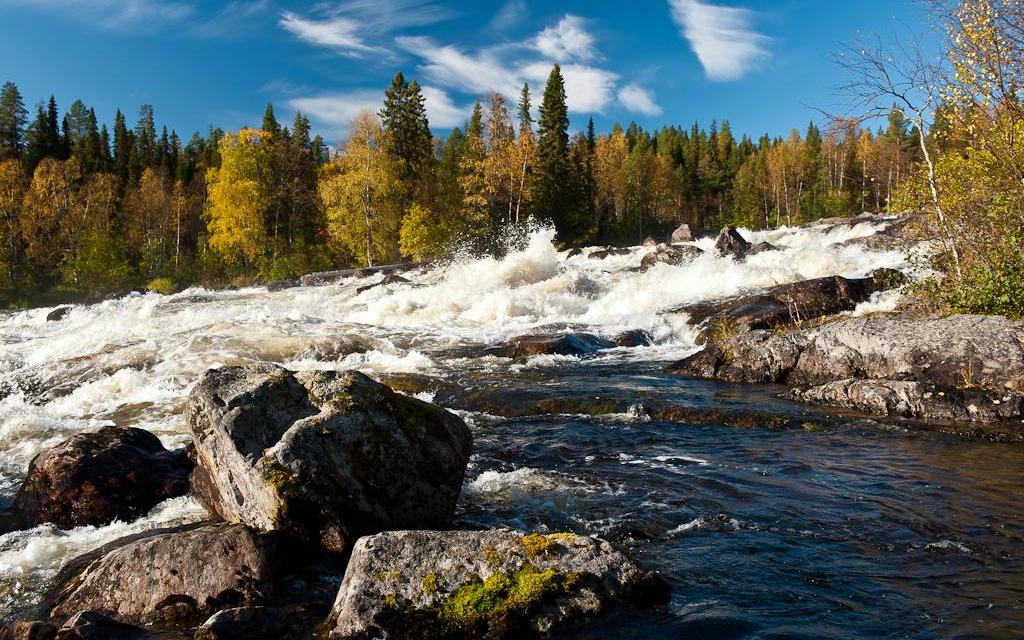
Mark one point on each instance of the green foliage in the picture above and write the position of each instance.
(99, 265)
(995, 287)
(422, 236)
(164, 286)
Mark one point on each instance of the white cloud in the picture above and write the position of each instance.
(722, 37)
(336, 111)
(451, 67)
(636, 98)
(567, 40)
(441, 110)
(587, 89)
(337, 33)
(112, 14)
(236, 18)
(510, 15)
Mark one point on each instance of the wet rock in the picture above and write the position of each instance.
(572, 344)
(58, 314)
(794, 303)
(955, 368)
(601, 254)
(731, 243)
(95, 477)
(28, 630)
(172, 579)
(327, 456)
(683, 233)
(281, 285)
(674, 255)
(244, 623)
(761, 247)
(484, 584)
(649, 242)
(634, 338)
(575, 251)
(391, 278)
(91, 625)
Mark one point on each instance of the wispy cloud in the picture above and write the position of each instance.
(112, 14)
(723, 38)
(350, 27)
(235, 19)
(449, 66)
(510, 15)
(336, 111)
(636, 98)
(567, 40)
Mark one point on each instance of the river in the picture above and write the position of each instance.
(823, 528)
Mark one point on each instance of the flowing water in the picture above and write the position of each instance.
(842, 529)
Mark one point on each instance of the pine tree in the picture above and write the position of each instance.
(525, 117)
(552, 188)
(270, 124)
(12, 122)
(407, 136)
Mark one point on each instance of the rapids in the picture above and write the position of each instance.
(850, 530)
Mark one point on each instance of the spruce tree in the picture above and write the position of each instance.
(525, 117)
(552, 181)
(55, 143)
(270, 124)
(407, 136)
(13, 117)
(124, 149)
(36, 141)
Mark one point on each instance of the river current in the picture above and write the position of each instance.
(817, 529)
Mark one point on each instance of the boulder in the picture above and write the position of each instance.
(58, 314)
(483, 584)
(649, 242)
(761, 247)
(281, 285)
(793, 303)
(570, 344)
(602, 254)
(327, 456)
(953, 368)
(174, 578)
(683, 233)
(244, 623)
(90, 625)
(28, 630)
(634, 338)
(98, 476)
(731, 243)
(674, 255)
(391, 278)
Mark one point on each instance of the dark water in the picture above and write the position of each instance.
(852, 530)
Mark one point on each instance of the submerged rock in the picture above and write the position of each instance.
(95, 477)
(601, 254)
(28, 630)
(794, 303)
(90, 625)
(953, 368)
(325, 455)
(172, 579)
(674, 255)
(483, 584)
(58, 314)
(731, 243)
(391, 278)
(683, 233)
(634, 338)
(761, 247)
(244, 623)
(571, 344)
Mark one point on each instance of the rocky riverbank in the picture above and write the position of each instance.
(333, 494)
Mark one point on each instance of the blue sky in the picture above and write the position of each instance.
(763, 65)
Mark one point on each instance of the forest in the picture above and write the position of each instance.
(85, 211)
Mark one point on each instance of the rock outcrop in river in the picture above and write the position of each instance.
(98, 476)
(482, 584)
(954, 368)
(324, 455)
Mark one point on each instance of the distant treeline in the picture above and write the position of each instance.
(86, 211)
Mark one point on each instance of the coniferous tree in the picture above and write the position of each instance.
(124, 149)
(37, 144)
(407, 136)
(270, 124)
(56, 144)
(12, 121)
(525, 117)
(552, 192)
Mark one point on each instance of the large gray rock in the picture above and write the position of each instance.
(98, 476)
(483, 584)
(674, 255)
(731, 243)
(794, 303)
(568, 344)
(683, 233)
(173, 578)
(328, 456)
(953, 368)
